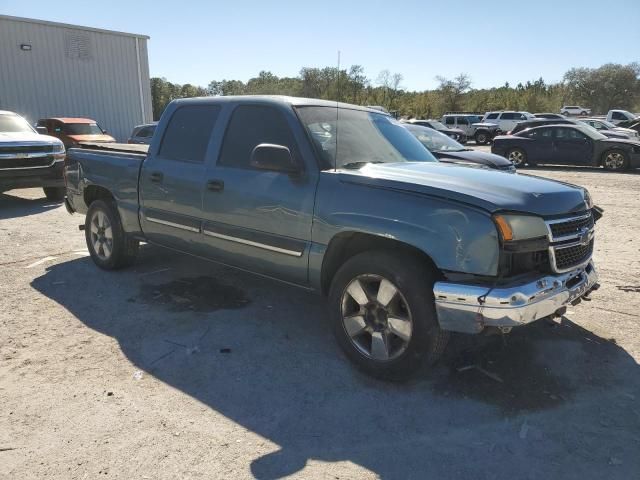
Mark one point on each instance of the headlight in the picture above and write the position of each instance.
(58, 151)
(587, 199)
(520, 227)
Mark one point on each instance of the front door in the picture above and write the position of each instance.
(571, 147)
(256, 219)
(172, 178)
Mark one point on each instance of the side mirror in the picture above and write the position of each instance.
(276, 158)
(42, 130)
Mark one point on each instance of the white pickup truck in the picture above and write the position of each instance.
(618, 116)
(28, 159)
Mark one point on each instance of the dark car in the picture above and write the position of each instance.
(457, 134)
(142, 134)
(448, 150)
(520, 126)
(567, 145)
(549, 116)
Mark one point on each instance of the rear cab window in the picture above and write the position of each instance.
(188, 133)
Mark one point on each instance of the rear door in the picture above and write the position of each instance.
(172, 178)
(256, 219)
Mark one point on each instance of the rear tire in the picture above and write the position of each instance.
(55, 194)
(482, 138)
(615, 160)
(109, 246)
(517, 156)
(383, 314)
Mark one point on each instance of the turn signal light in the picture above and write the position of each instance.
(505, 229)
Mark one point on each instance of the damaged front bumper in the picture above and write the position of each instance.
(470, 308)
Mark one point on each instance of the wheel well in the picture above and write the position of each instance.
(348, 244)
(94, 192)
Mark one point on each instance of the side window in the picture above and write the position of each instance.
(576, 135)
(561, 133)
(507, 116)
(463, 121)
(450, 121)
(492, 116)
(145, 132)
(250, 126)
(188, 133)
(618, 116)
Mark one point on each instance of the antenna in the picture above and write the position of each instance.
(335, 154)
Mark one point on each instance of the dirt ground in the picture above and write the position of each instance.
(177, 368)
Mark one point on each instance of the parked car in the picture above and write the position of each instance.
(448, 150)
(567, 145)
(29, 159)
(455, 133)
(506, 120)
(603, 127)
(75, 130)
(142, 134)
(472, 126)
(575, 110)
(619, 116)
(549, 116)
(565, 121)
(405, 248)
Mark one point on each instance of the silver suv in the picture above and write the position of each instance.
(472, 126)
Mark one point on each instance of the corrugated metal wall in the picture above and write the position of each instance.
(74, 72)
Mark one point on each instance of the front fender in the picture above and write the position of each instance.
(457, 237)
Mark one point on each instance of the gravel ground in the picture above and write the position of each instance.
(177, 368)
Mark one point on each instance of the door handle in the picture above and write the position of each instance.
(215, 185)
(156, 177)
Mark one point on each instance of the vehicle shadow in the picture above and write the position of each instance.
(13, 207)
(262, 355)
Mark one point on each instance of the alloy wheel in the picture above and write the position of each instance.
(101, 235)
(516, 157)
(376, 317)
(614, 161)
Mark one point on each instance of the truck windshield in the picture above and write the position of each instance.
(362, 137)
(14, 124)
(82, 129)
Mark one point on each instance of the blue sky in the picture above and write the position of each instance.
(493, 41)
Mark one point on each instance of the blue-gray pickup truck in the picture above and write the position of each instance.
(344, 201)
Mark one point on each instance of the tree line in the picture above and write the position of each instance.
(601, 89)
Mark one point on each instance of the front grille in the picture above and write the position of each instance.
(572, 256)
(26, 149)
(571, 227)
(6, 163)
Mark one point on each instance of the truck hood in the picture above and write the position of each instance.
(31, 138)
(487, 189)
(92, 138)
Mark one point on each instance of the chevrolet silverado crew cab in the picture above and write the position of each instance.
(344, 201)
(28, 159)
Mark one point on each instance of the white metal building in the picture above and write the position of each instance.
(50, 69)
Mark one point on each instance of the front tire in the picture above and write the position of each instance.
(55, 194)
(517, 156)
(383, 314)
(109, 246)
(481, 138)
(615, 160)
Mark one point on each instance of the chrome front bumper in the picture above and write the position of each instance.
(470, 308)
